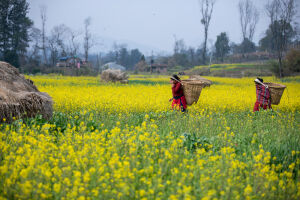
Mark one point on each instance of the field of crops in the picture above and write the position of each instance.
(233, 70)
(115, 141)
(215, 67)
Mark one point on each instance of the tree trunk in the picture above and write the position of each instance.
(44, 47)
(43, 18)
(280, 66)
(204, 48)
(86, 53)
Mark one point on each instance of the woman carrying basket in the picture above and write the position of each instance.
(263, 98)
(178, 100)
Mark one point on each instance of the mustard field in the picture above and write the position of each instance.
(123, 141)
(233, 95)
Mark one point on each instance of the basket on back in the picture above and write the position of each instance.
(192, 90)
(276, 91)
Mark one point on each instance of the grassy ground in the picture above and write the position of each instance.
(233, 70)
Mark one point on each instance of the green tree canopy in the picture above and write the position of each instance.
(274, 34)
(14, 26)
(222, 46)
(247, 46)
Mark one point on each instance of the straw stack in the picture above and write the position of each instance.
(19, 97)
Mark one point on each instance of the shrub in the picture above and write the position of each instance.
(292, 60)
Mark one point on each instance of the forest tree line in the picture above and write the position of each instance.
(29, 47)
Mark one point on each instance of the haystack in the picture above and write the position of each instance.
(19, 97)
(206, 82)
(111, 75)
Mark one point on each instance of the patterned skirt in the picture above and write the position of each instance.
(179, 103)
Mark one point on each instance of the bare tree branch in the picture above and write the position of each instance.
(249, 17)
(281, 13)
(73, 43)
(43, 11)
(56, 42)
(89, 41)
(206, 7)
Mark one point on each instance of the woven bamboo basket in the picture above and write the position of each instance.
(192, 90)
(276, 91)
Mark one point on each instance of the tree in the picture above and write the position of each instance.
(35, 38)
(180, 54)
(88, 39)
(14, 28)
(63, 41)
(142, 65)
(248, 18)
(191, 54)
(56, 42)
(199, 53)
(222, 46)
(292, 60)
(135, 56)
(124, 57)
(281, 13)
(53, 50)
(207, 7)
(43, 10)
(73, 43)
(179, 46)
(247, 46)
(267, 44)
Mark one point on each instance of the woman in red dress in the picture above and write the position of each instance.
(263, 98)
(178, 100)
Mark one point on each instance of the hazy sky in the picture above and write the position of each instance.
(152, 23)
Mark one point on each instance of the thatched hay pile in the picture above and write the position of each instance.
(19, 97)
(205, 81)
(111, 75)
